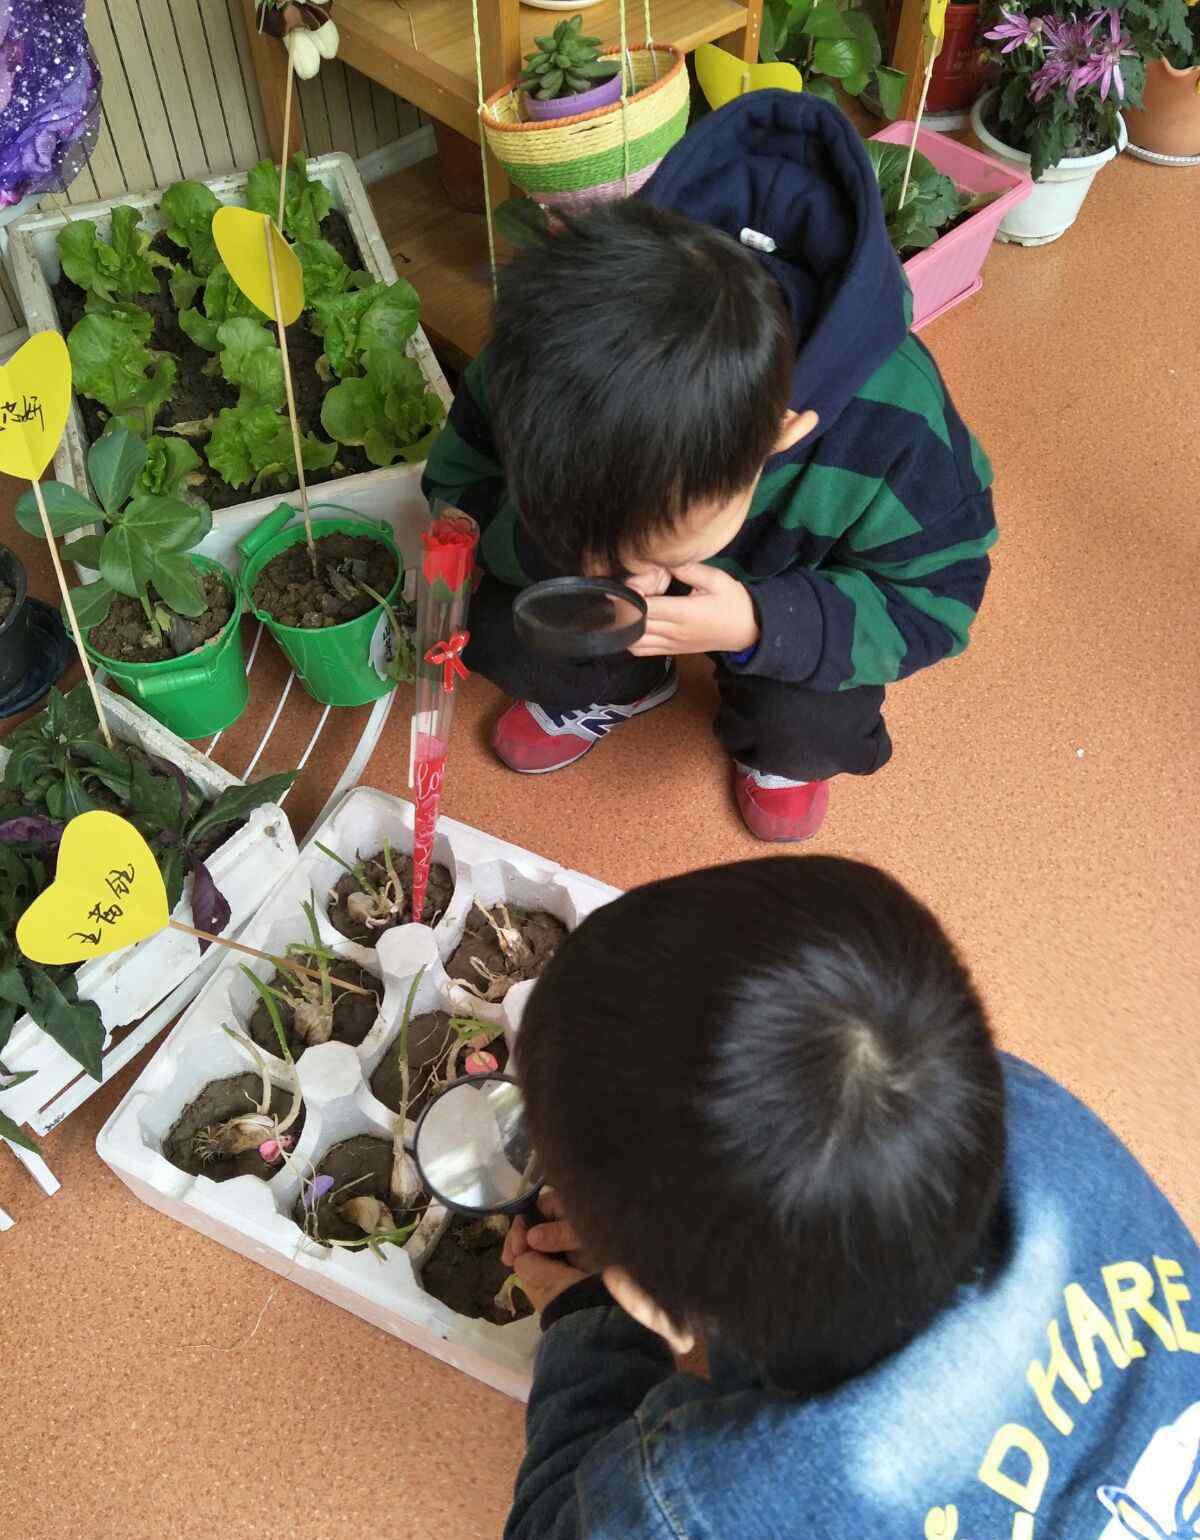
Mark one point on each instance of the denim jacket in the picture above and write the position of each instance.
(1058, 1401)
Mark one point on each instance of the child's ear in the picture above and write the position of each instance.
(637, 1303)
(793, 427)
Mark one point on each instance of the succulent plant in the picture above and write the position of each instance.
(566, 63)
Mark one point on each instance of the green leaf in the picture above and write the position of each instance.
(325, 273)
(177, 582)
(891, 84)
(171, 863)
(862, 29)
(68, 511)
(199, 328)
(12, 1131)
(74, 1024)
(92, 603)
(167, 523)
(251, 360)
(392, 319)
(826, 20)
(839, 58)
(123, 564)
(825, 89)
(236, 804)
(307, 202)
(110, 271)
(78, 251)
(385, 315)
(169, 463)
(85, 551)
(189, 208)
(113, 463)
(245, 440)
(156, 800)
(184, 286)
(111, 365)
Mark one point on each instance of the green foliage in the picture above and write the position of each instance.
(110, 271)
(170, 461)
(931, 202)
(388, 410)
(325, 273)
(382, 316)
(58, 767)
(146, 538)
(111, 364)
(253, 445)
(188, 208)
(565, 64)
(306, 203)
(251, 361)
(828, 42)
(223, 301)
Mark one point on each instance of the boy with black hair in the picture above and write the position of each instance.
(711, 387)
(941, 1300)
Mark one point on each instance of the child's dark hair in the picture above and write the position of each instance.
(641, 363)
(769, 1092)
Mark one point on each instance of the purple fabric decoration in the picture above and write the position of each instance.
(32, 829)
(210, 908)
(49, 96)
(316, 1190)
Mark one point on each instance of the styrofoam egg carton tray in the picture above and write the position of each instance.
(254, 1216)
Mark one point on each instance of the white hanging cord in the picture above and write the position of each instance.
(487, 192)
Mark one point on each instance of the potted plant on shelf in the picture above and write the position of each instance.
(605, 151)
(565, 74)
(1166, 128)
(162, 620)
(1055, 107)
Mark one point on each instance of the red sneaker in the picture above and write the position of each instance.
(778, 810)
(534, 741)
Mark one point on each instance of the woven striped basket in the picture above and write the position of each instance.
(566, 162)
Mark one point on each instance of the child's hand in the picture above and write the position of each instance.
(536, 1253)
(717, 616)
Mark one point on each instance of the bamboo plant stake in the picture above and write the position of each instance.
(291, 395)
(252, 951)
(935, 33)
(287, 130)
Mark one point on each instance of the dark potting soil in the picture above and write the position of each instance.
(465, 1272)
(288, 591)
(361, 1168)
(6, 600)
(353, 1015)
(438, 894)
(428, 1038)
(125, 636)
(541, 931)
(219, 1101)
(199, 394)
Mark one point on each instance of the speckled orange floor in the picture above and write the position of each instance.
(1042, 799)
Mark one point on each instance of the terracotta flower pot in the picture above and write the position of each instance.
(1169, 122)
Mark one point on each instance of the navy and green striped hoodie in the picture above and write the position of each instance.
(866, 545)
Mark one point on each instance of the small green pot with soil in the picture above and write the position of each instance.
(197, 691)
(324, 622)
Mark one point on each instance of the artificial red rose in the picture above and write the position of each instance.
(449, 546)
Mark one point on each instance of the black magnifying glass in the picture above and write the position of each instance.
(579, 617)
(472, 1150)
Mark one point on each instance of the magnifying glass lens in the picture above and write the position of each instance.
(579, 617)
(472, 1149)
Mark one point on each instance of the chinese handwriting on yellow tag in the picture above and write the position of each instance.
(35, 396)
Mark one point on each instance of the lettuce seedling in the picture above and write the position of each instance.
(325, 273)
(931, 202)
(253, 444)
(223, 301)
(170, 466)
(251, 361)
(121, 268)
(383, 316)
(306, 202)
(145, 542)
(388, 410)
(111, 364)
(188, 208)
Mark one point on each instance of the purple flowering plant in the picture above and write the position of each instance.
(1063, 75)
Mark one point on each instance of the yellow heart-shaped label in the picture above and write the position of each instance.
(241, 236)
(936, 20)
(35, 397)
(107, 893)
(723, 76)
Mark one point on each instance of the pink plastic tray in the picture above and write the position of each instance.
(950, 270)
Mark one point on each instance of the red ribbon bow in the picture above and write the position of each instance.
(449, 655)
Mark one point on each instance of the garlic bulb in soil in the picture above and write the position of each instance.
(365, 909)
(305, 51)
(369, 1214)
(405, 1186)
(313, 1021)
(233, 1137)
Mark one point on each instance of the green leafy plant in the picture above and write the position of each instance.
(382, 316)
(306, 202)
(58, 766)
(388, 410)
(119, 269)
(9, 1130)
(145, 542)
(831, 46)
(223, 301)
(170, 466)
(252, 445)
(111, 363)
(251, 361)
(930, 204)
(188, 208)
(565, 64)
(325, 273)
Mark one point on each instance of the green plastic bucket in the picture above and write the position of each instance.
(334, 664)
(200, 693)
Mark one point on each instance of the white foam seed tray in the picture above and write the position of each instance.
(253, 1216)
(127, 984)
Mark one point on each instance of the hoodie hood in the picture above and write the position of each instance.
(791, 167)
